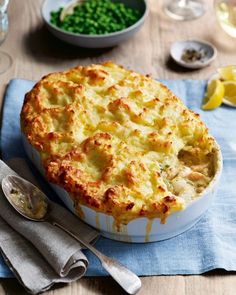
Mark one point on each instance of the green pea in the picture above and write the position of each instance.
(97, 17)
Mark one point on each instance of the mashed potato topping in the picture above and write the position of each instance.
(118, 142)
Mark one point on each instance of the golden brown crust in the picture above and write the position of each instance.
(118, 142)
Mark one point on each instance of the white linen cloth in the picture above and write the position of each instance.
(38, 253)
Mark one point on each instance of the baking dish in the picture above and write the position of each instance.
(142, 229)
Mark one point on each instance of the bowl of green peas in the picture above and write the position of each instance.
(95, 23)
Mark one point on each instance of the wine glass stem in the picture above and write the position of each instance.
(183, 3)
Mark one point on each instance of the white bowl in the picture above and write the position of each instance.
(178, 48)
(93, 41)
(142, 229)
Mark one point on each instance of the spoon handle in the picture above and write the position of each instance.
(123, 276)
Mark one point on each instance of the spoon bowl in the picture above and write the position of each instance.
(69, 8)
(32, 203)
(26, 198)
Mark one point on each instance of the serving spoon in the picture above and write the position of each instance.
(32, 203)
(69, 8)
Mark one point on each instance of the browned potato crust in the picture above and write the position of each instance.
(118, 142)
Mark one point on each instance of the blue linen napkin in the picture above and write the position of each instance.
(210, 244)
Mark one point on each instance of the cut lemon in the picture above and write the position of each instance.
(230, 91)
(228, 73)
(214, 95)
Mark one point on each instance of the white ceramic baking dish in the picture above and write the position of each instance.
(142, 229)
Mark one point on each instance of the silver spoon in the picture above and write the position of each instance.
(69, 8)
(33, 204)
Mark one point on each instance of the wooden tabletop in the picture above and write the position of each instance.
(36, 52)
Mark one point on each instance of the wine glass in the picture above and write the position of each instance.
(5, 59)
(226, 15)
(184, 9)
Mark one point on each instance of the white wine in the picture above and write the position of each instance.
(226, 14)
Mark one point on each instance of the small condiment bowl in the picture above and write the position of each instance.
(179, 48)
(94, 41)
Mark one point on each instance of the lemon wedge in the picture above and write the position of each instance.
(228, 73)
(214, 95)
(230, 91)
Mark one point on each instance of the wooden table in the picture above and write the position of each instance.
(36, 52)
